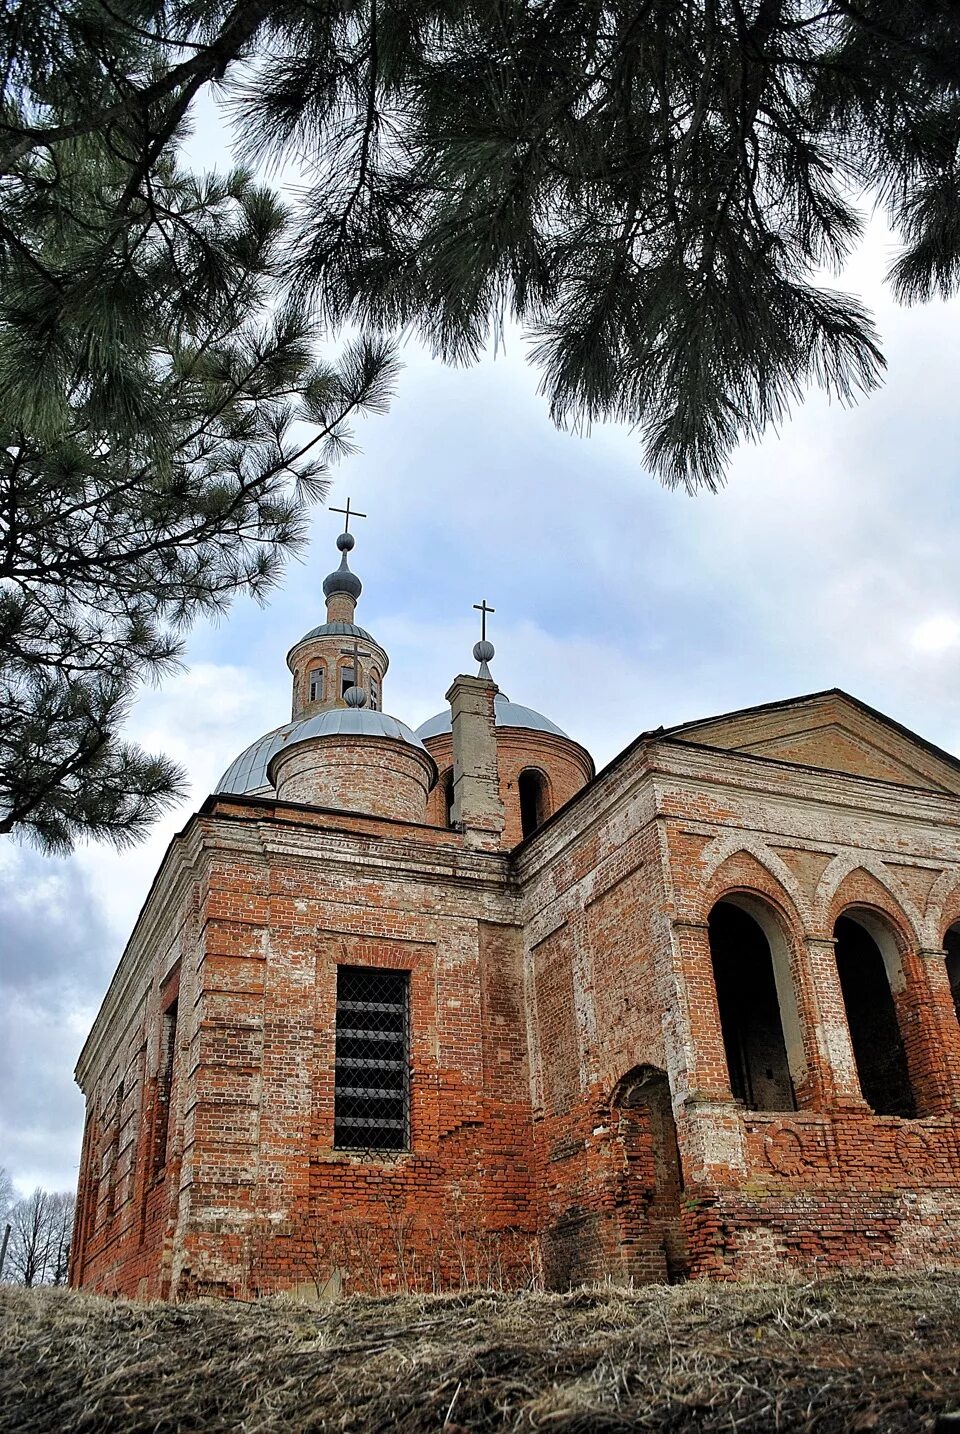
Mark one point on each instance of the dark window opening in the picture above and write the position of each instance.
(448, 797)
(372, 1092)
(532, 789)
(952, 945)
(346, 679)
(872, 1020)
(316, 684)
(749, 1011)
(168, 1050)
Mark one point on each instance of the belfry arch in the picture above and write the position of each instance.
(756, 999)
(871, 976)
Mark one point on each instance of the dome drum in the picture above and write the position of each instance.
(537, 747)
(376, 776)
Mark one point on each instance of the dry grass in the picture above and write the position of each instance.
(838, 1355)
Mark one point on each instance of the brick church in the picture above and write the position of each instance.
(410, 1010)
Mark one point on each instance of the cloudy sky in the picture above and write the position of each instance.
(829, 559)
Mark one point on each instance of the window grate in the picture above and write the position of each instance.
(372, 1083)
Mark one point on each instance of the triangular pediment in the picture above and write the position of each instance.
(831, 731)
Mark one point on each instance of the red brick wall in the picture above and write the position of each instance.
(565, 1031)
(564, 764)
(382, 778)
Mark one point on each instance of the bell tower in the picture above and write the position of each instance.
(338, 655)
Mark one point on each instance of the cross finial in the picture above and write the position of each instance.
(482, 609)
(348, 513)
(483, 650)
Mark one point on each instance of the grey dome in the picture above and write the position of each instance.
(342, 581)
(507, 713)
(248, 773)
(339, 629)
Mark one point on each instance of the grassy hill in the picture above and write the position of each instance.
(878, 1354)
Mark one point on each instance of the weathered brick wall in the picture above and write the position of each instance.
(382, 777)
(133, 1144)
(262, 1200)
(798, 849)
(571, 1106)
(565, 766)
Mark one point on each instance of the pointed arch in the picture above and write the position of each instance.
(866, 889)
(732, 863)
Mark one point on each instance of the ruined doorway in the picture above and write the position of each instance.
(750, 1015)
(872, 1019)
(650, 1179)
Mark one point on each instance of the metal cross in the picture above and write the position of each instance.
(482, 609)
(356, 655)
(348, 513)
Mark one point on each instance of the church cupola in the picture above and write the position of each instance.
(331, 659)
(340, 750)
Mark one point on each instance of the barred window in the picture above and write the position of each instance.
(372, 1097)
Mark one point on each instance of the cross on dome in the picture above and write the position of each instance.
(483, 650)
(343, 580)
(348, 513)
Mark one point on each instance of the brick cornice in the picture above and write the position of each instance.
(178, 869)
(791, 782)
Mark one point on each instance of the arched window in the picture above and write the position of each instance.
(878, 1050)
(315, 684)
(952, 946)
(750, 1010)
(532, 790)
(448, 796)
(374, 692)
(346, 677)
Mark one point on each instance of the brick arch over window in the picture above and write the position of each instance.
(864, 889)
(743, 871)
(949, 910)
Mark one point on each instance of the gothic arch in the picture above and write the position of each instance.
(866, 891)
(763, 876)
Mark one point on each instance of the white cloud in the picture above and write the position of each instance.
(936, 634)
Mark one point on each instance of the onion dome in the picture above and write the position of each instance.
(342, 580)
